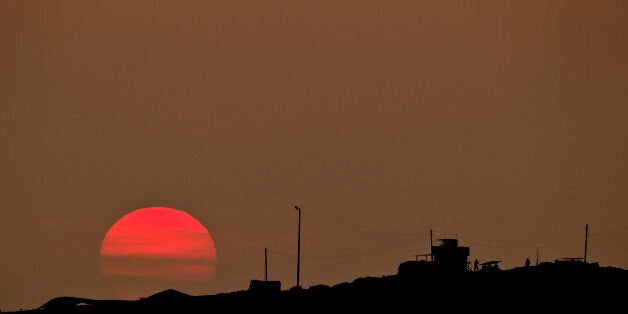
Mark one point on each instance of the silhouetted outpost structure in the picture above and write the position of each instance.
(446, 257)
(451, 257)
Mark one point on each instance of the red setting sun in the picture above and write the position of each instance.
(157, 248)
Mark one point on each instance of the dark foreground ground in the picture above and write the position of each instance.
(545, 288)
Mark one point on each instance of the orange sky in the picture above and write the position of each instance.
(500, 123)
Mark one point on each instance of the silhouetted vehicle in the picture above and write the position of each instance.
(490, 266)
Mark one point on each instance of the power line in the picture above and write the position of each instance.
(614, 242)
(522, 244)
(569, 241)
(355, 229)
(594, 236)
(332, 222)
(526, 246)
(599, 235)
(624, 228)
(356, 254)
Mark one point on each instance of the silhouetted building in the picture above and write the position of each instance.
(415, 268)
(449, 256)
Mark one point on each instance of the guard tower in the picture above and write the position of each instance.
(451, 257)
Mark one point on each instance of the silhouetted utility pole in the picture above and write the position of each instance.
(586, 238)
(265, 264)
(431, 246)
(298, 247)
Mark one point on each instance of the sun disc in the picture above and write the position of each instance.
(157, 248)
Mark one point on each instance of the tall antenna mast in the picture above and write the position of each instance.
(265, 264)
(298, 247)
(431, 247)
(586, 238)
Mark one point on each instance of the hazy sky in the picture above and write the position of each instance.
(501, 123)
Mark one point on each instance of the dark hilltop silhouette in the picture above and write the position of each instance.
(444, 281)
